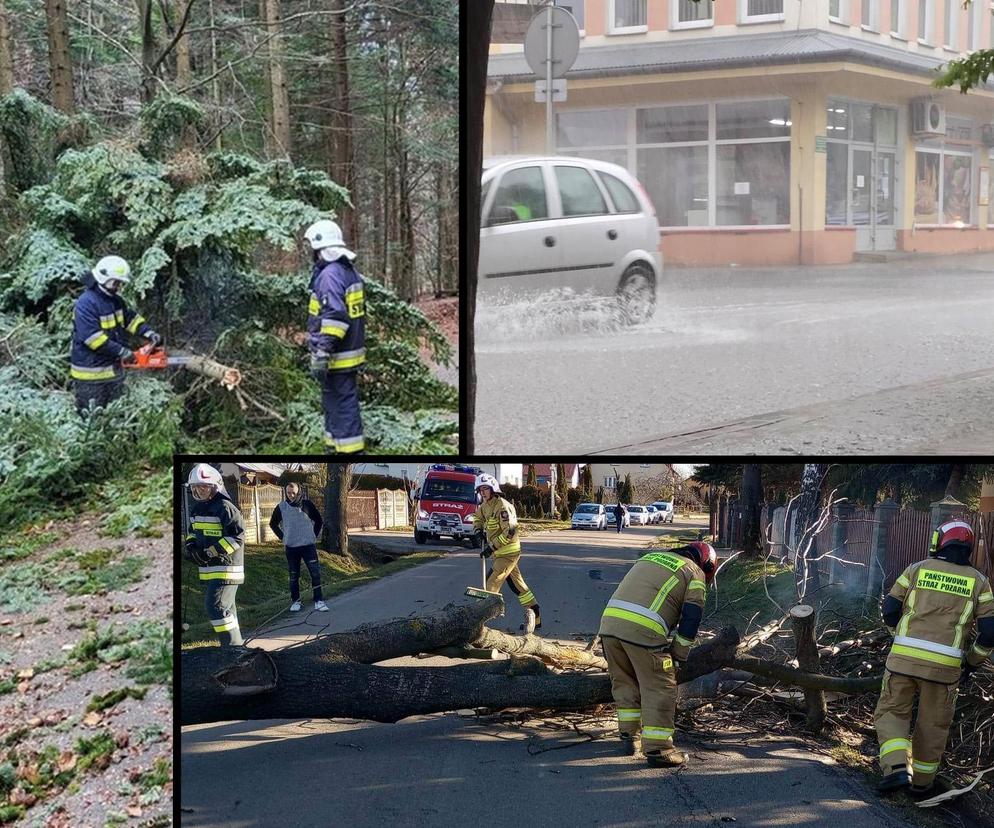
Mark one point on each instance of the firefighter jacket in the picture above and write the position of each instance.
(931, 611)
(662, 595)
(500, 524)
(336, 317)
(102, 323)
(216, 540)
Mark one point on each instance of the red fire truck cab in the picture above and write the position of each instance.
(446, 502)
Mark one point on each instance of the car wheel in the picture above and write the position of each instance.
(420, 538)
(636, 294)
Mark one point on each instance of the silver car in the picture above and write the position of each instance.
(573, 225)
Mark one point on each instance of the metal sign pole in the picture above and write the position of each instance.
(549, 136)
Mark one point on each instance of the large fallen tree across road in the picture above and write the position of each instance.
(334, 676)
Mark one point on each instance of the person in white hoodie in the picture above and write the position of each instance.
(297, 522)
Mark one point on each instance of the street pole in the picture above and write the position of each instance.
(552, 490)
(549, 136)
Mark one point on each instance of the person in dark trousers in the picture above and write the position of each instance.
(619, 515)
(297, 522)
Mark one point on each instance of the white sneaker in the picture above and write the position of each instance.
(320, 606)
(295, 606)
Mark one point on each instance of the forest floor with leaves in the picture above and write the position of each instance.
(86, 669)
(444, 313)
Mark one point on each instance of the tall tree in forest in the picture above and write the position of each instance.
(478, 16)
(750, 493)
(6, 55)
(149, 49)
(59, 58)
(343, 165)
(278, 136)
(184, 74)
(808, 509)
(336, 501)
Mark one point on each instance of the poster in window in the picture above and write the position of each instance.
(983, 190)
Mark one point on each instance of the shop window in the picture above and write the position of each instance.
(957, 178)
(927, 187)
(688, 14)
(603, 127)
(758, 11)
(579, 193)
(676, 179)
(990, 192)
(887, 126)
(672, 124)
(861, 120)
(753, 183)
(753, 119)
(519, 197)
(617, 156)
(837, 185)
(838, 119)
(627, 16)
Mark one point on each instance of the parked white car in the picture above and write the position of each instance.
(639, 515)
(589, 516)
(574, 224)
(625, 521)
(665, 508)
(653, 514)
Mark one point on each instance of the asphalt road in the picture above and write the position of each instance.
(447, 770)
(871, 358)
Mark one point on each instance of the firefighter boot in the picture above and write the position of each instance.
(529, 625)
(535, 613)
(627, 744)
(671, 758)
(895, 781)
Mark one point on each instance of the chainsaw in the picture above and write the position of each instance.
(155, 356)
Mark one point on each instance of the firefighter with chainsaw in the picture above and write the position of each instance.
(497, 527)
(647, 630)
(216, 543)
(336, 335)
(931, 611)
(102, 325)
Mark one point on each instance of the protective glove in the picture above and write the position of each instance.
(198, 555)
(319, 366)
(127, 355)
(487, 550)
(154, 338)
(966, 676)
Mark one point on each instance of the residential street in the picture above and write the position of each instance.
(447, 770)
(869, 358)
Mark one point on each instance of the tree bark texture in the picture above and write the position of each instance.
(280, 144)
(206, 367)
(149, 50)
(336, 498)
(474, 78)
(752, 489)
(806, 566)
(59, 57)
(342, 154)
(6, 53)
(184, 75)
(804, 620)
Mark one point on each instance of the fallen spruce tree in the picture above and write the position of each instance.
(334, 676)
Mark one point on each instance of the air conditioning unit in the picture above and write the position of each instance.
(927, 117)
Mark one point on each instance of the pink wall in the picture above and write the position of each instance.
(945, 240)
(756, 247)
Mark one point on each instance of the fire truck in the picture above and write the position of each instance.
(446, 502)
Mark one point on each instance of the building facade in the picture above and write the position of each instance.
(609, 475)
(774, 131)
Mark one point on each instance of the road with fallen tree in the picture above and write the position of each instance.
(296, 714)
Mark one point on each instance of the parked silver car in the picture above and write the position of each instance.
(589, 516)
(555, 223)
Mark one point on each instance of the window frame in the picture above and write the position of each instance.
(951, 22)
(594, 179)
(583, 5)
(925, 39)
(746, 19)
(550, 207)
(676, 24)
(940, 197)
(873, 17)
(843, 13)
(898, 31)
(624, 30)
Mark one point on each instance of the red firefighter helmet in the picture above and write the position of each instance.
(704, 556)
(951, 532)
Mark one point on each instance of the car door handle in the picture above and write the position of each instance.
(612, 234)
(550, 241)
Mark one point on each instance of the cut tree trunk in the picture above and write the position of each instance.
(207, 367)
(804, 618)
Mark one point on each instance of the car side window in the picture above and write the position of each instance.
(623, 198)
(520, 197)
(579, 192)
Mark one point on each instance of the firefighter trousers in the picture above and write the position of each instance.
(97, 394)
(506, 568)
(643, 684)
(922, 752)
(342, 423)
(219, 601)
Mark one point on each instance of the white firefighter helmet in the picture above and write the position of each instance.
(111, 267)
(205, 475)
(487, 480)
(326, 236)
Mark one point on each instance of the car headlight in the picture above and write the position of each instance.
(422, 514)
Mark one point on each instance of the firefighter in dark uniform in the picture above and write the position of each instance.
(102, 324)
(931, 611)
(216, 543)
(336, 336)
(647, 630)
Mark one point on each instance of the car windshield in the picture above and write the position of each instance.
(438, 488)
(587, 509)
(664, 505)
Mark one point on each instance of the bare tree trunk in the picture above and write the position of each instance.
(343, 167)
(751, 491)
(336, 501)
(215, 80)
(6, 55)
(279, 97)
(804, 619)
(59, 57)
(478, 17)
(955, 481)
(149, 51)
(806, 564)
(184, 75)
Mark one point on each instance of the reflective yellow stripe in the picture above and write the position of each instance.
(925, 655)
(346, 445)
(909, 611)
(227, 625)
(226, 545)
(314, 306)
(903, 581)
(664, 590)
(119, 315)
(355, 301)
(697, 584)
(686, 642)
(107, 322)
(985, 597)
(642, 621)
(659, 733)
(671, 562)
(925, 767)
(332, 330)
(97, 340)
(347, 359)
(510, 549)
(894, 744)
(965, 616)
(984, 651)
(217, 576)
(133, 327)
(92, 373)
(629, 714)
(526, 598)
